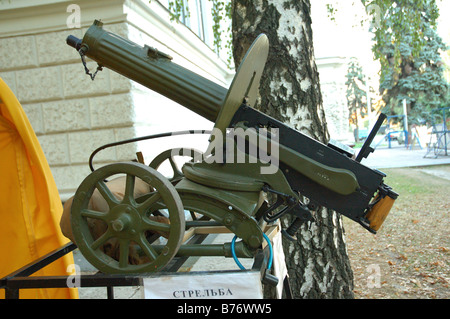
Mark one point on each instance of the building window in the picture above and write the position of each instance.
(197, 16)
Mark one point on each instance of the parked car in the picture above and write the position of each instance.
(362, 134)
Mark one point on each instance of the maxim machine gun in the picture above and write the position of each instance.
(235, 184)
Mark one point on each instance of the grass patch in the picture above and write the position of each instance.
(407, 181)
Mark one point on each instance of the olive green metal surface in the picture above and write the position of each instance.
(229, 192)
(170, 156)
(231, 208)
(154, 70)
(245, 83)
(340, 181)
(127, 220)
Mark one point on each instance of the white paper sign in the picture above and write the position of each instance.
(280, 270)
(226, 285)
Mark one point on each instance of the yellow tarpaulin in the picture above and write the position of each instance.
(30, 207)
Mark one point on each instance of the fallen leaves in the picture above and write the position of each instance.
(402, 257)
(411, 249)
(438, 263)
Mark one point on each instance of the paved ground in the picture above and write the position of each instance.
(383, 157)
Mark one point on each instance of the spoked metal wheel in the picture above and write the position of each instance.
(127, 222)
(171, 156)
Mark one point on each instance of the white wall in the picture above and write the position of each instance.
(335, 42)
(332, 71)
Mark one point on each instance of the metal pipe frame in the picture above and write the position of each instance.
(20, 279)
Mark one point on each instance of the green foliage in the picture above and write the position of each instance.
(177, 8)
(331, 11)
(356, 91)
(408, 48)
(219, 11)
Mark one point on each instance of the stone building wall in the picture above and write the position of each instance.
(71, 114)
(332, 71)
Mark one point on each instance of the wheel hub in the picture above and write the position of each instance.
(125, 221)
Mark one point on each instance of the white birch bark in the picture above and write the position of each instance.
(317, 262)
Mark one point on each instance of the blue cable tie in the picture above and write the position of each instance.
(233, 252)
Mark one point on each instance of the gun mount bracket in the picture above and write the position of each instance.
(300, 211)
(156, 54)
(282, 199)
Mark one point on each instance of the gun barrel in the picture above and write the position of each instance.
(153, 69)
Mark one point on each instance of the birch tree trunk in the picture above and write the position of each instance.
(317, 262)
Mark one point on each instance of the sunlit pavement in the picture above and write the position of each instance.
(400, 156)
